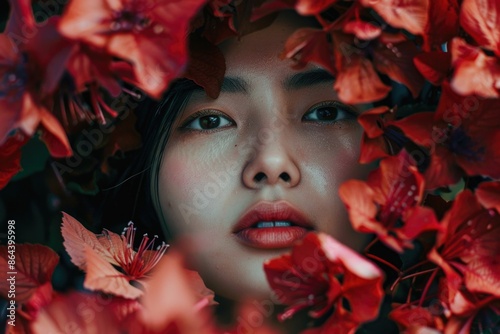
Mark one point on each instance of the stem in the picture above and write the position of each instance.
(427, 286)
(416, 266)
(390, 265)
(402, 278)
(370, 245)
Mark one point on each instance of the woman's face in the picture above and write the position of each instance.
(245, 175)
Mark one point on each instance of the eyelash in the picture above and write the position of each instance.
(349, 110)
(351, 113)
(202, 113)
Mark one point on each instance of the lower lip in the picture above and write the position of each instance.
(271, 237)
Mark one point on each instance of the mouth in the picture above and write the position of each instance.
(272, 225)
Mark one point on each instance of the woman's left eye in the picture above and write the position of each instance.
(330, 112)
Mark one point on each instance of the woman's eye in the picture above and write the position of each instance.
(207, 122)
(329, 112)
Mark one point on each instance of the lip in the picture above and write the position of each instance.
(247, 233)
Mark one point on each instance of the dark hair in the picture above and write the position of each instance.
(133, 196)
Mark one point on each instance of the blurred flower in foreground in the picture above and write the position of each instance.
(322, 274)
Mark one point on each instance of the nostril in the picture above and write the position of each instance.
(259, 177)
(285, 177)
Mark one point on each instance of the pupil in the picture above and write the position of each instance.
(327, 113)
(209, 122)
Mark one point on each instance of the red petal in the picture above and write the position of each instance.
(169, 297)
(434, 66)
(358, 198)
(20, 20)
(309, 45)
(475, 73)
(372, 149)
(34, 265)
(206, 66)
(442, 25)
(308, 7)
(362, 285)
(481, 20)
(10, 157)
(396, 61)
(76, 237)
(100, 275)
(418, 128)
(357, 81)
(86, 313)
(54, 136)
(411, 15)
(442, 170)
(362, 29)
(417, 221)
(488, 194)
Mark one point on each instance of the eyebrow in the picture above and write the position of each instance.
(294, 82)
(307, 79)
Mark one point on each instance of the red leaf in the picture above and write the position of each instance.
(481, 19)
(34, 265)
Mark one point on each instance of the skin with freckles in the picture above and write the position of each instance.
(274, 134)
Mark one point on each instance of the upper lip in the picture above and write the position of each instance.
(272, 211)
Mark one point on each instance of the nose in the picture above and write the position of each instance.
(271, 163)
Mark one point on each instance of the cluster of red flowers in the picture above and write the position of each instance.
(62, 71)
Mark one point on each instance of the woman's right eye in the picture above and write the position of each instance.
(207, 121)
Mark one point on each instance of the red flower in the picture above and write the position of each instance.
(151, 35)
(321, 273)
(461, 136)
(96, 255)
(388, 204)
(469, 244)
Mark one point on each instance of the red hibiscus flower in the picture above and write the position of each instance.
(461, 136)
(149, 34)
(320, 273)
(96, 255)
(388, 203)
